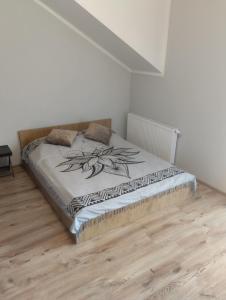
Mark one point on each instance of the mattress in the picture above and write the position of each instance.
(89, 180)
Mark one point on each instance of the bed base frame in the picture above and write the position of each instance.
(120, 217)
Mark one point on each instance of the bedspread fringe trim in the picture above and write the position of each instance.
(132, 206)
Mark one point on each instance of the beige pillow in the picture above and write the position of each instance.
(98, 133)
(61, 137)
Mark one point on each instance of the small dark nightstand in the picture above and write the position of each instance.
(5, 161)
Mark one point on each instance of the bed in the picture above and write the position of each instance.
(95, 188)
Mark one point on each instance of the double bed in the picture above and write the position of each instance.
(95, 187)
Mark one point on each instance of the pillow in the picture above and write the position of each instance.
(98, 133)
(61, 137)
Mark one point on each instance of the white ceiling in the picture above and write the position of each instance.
(117, 46)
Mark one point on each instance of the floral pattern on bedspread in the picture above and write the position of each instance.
(110, 160)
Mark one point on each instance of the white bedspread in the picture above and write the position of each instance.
(60, 168)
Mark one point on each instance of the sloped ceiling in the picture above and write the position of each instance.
(133, 31)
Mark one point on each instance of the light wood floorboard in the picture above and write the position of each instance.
(176, 254)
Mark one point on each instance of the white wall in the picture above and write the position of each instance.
(50, 75)
(142, 24)
(192, 95)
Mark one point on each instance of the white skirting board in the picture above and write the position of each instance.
(153, 137)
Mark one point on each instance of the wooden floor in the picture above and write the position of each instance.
(177, 254)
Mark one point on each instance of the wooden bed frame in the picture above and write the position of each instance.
(111, 221)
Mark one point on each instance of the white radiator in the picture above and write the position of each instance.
(153, 137)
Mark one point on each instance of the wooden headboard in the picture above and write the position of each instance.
(27, 136)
